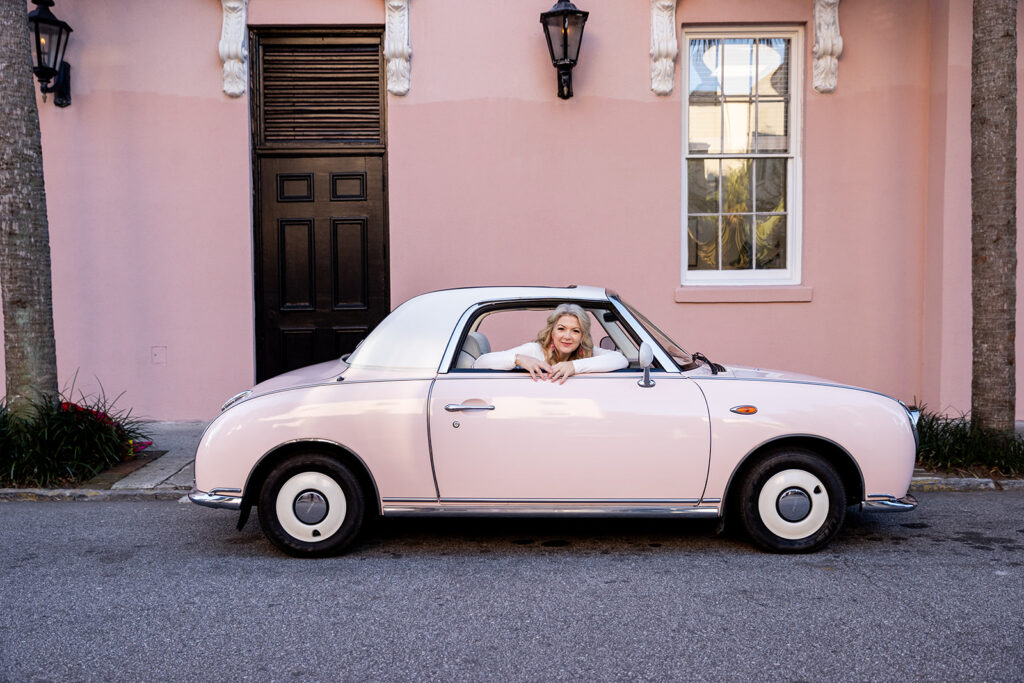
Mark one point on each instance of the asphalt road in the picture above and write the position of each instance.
(163, 590)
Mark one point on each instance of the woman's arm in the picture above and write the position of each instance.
(506, 360)
(603, 360)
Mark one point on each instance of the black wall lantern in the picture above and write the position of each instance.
(49, 40)
(563, 29)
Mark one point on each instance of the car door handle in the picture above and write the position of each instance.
(454, 407)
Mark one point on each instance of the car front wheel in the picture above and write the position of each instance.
(792, 501)
(311, 505)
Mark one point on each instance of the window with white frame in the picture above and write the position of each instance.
(741, 175)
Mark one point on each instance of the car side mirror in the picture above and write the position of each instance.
(646, 358)
(606, 343)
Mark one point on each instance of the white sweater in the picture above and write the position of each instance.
(603, 360)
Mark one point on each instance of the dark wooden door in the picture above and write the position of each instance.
(319, 162)
(323, 258)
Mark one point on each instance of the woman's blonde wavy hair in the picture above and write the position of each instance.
(586, 347)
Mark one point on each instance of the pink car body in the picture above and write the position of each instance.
(418, 432)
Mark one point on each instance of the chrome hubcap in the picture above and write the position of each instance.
(310, 507)
(793, 504)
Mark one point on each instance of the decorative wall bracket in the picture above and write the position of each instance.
(232, 46)
(664, 46)
(397, 47)
(828, 45)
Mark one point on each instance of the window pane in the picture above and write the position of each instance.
(773, 67)
(705, 55)
(702, 183)
(703, 242)
(705, 121)
(770, 179)
(737, 242)
(705, 115)
(772, 126)
(771, 242)
(739, 66)
(736, 186)
(738, 126)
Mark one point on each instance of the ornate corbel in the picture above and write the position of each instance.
(397, 48)
(664, 46)
(828, 45)
(232, 46)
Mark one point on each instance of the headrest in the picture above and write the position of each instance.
(476, 344)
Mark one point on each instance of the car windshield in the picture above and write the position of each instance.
(679, 355)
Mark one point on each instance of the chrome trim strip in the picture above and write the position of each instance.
(885, 503)
(834, 385)
(221, 492)
(237, 398)
(914, 415)
(212, 500)
(548, 509)
(575, 501)
(430, 438)
(667, 362)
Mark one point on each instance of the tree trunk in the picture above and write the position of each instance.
(29, 349)
(994, 212)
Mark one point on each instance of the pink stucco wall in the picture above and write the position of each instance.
(494, 180)
(148, 203)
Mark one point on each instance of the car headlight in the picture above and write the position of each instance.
(235, 399)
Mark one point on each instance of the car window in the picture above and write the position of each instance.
(504, 328)
(507, 328)
(679, 355)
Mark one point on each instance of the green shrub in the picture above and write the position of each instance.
(62, 442)
(953, 443)
(8, 436)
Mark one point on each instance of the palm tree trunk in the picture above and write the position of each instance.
(994, 212)
(29, 348)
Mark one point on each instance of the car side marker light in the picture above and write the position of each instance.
(744, 410)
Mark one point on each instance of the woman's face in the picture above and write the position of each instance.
(566, 335)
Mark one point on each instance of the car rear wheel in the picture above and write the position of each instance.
(792, 501)
(311, 505)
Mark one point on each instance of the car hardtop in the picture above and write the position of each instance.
(416, 334)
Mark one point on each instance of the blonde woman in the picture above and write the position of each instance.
(562, 349)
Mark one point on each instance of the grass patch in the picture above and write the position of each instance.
(64, 442)
(953, 444)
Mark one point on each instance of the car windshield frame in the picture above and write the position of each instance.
(679, 355)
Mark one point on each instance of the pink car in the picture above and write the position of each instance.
(406, 425)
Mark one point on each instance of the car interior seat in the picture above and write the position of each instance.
(475, 346)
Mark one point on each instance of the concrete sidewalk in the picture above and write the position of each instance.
(176, 468)
(171, 476)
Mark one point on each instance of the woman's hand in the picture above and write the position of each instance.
(562, 371)
(538, 369)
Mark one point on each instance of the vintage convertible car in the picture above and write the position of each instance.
(406, 426)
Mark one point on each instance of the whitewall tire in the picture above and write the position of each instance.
(311, 505)
(792, 500)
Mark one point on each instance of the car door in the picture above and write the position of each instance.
(598, 437)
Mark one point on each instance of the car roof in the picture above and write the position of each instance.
(416, 334)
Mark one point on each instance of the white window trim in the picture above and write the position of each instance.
(791, 275)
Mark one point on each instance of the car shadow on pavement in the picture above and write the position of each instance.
(447, 536)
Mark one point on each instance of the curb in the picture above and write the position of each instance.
(929, 483)
(98, 495)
